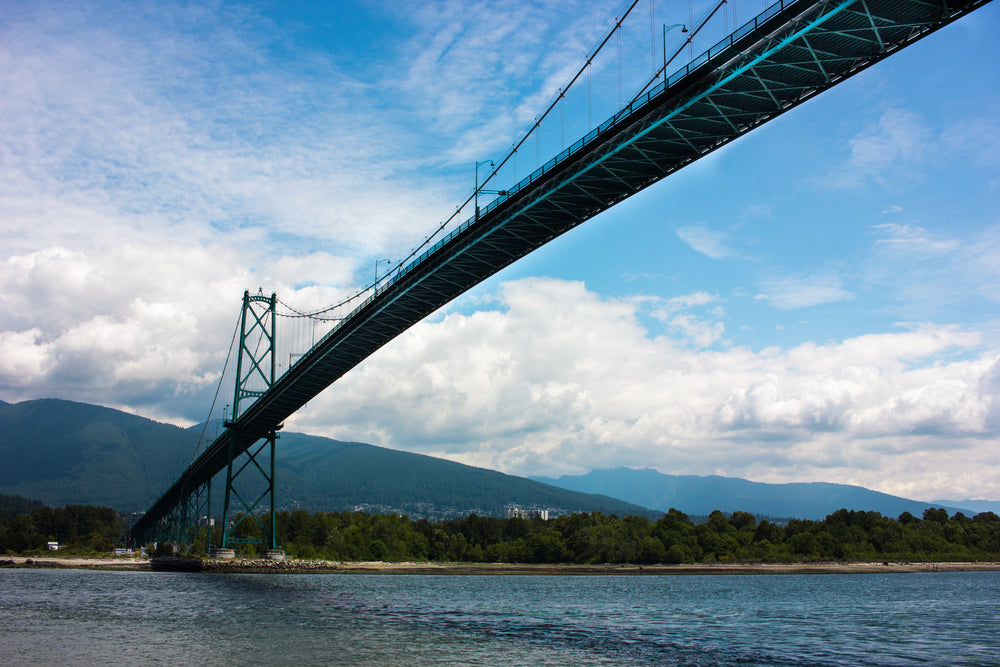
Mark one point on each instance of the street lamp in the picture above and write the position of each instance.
(487, 192)
(665, 29)
(478, 165)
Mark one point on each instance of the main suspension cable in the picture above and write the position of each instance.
(218, 388)
(614, 30)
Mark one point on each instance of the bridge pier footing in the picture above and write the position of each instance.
(222, 553)
(274, 554)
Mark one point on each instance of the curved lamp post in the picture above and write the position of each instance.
(486, 192)
(667, 28)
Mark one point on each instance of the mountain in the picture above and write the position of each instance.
(701, 495)
(62, 452)
(331, 474)
(975, 506)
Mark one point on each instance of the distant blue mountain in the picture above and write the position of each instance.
(973, 505)
(701, 495)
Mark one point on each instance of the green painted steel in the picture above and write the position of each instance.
(259, 312)
(257, 348)
(250, 505)
(788, 54)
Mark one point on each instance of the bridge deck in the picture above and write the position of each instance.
(785, 56)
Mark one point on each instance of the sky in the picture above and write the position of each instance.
(816, 302)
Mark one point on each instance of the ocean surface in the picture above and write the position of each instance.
(75, 617)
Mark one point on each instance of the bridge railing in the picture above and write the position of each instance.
(721, 49)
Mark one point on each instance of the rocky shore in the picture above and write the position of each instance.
(255, 566)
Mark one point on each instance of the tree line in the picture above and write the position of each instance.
(673, 538)
(26, 526)
(594, 537)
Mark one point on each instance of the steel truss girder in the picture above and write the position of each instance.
(791, 52)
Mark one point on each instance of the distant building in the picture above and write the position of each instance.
(516, 512)
(53, 546)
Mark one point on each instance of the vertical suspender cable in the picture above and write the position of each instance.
(538, 145)
(590, 76)
(690, 22)
(652, 40)
(562, 122)
(620, 100)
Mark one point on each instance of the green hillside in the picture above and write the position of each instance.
(60, 453)
(327, 474)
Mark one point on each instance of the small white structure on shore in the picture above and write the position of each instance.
(53, 546)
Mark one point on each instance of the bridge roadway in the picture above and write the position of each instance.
(785, 56)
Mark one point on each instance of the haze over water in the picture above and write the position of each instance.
(76, 617)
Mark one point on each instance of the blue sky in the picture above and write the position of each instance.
(815, 302)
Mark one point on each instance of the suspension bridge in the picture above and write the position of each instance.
(782, 57)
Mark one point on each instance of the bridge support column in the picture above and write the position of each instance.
(251, 497)
(197, 517)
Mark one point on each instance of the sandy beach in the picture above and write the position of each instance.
(378, 567)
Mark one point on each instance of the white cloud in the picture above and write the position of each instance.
(157, 159)
(976, 137)
(928, 272)
(802, 292)
(711, 243)
(702, 333)
(913, 240)
(694, 327)
(139, 325)
(561, 380)
(889, 153)
(24, 358)
(159, 128)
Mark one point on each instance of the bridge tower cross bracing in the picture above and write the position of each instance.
(255, 373)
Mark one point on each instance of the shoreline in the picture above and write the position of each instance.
(260, 566)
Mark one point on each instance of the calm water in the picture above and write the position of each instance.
(74, 617)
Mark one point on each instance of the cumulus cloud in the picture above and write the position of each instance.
(558, 379)
(695, 327)
(158, 159)
(137, 325)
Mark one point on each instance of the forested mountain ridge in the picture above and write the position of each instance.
(64, 453)
(344, 475)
